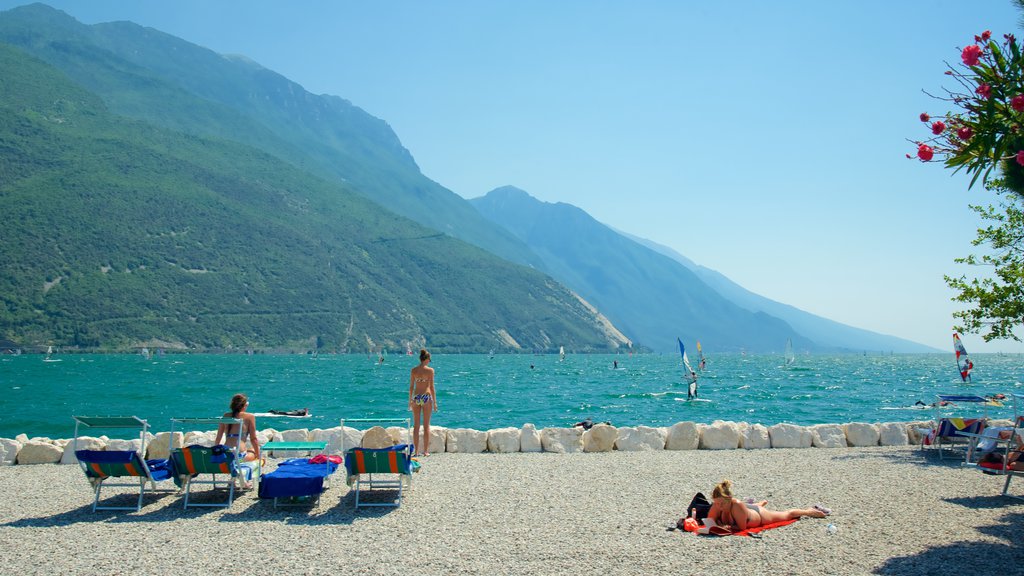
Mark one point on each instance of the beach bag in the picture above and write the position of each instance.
(698, 510)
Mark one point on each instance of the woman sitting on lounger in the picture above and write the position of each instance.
(232, 436)
(422, 402)
(727, 510)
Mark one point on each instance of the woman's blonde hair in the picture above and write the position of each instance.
(723, 490)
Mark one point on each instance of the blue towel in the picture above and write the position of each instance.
(296, 477)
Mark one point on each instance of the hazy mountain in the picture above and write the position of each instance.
(146, 74)
(826, 333)
(119, 233)
(649, 296)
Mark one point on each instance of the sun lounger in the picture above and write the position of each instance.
(191, 463)
(100, 466)
(1008, 443)
(950, 431)
(300, 481)
(379, 468)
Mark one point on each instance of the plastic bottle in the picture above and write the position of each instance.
(831, 529)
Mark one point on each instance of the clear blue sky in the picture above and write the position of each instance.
(765, 140)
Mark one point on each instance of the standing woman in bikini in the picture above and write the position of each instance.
(232, 436)
(422, 402)
(727, 510)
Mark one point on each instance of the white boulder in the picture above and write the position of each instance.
(21, 438)
(892, 434)
(337, 439)
(562, 440)
(198, 437)
(641, 438)
(503, 440)
(377, 437)
(299, 435)
(720, 435)
(755, 437)
(828, 436)
(9, 451)
(400, 435)
(683, 436)
(529, 439)
(790, 436)
(39, 452)
(917, 430)
(600, 438)
(859, 434)
(84, 443)
(466, 440)
(160, 446)
(438, 439)
(124, 445)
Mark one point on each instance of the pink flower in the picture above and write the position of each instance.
(965, 133)
(986, 35)
(938, 126)
(1020, 157)
(971, 54)
(925, 153)
(925, 117)
(984, 91)
(1017, 102)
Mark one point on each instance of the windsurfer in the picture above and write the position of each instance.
(691, 392)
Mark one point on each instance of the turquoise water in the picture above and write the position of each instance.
(477, 391)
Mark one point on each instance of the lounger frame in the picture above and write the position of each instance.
(232, 474)
(139, 462)
(381, 480)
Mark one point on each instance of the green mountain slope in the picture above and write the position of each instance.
(648, 295)
(149, 75)
(117, 233)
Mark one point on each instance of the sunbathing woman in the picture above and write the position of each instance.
(232, 436)
(727, 510)
(422, 402)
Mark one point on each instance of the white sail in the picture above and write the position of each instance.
(790, 357)
(561, 352)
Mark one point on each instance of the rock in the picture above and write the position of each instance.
(600, 438)
(917, 430)
(438, 439)
(529, 439)
(790, 436)
(159, 448)
(84, 443)
(400, 435)
(503, 440)
(377, 437)
(859, 434)
(828, 436)
(9, 451)
(124, 445)
(21, 438)
(338, 440)
(683, 436)
(562, 440)
(892, 434)
(197, 437)
(466, 440)
(641, 438)
(300, 435)
(38, 452)
(720, 435)
(755, 437)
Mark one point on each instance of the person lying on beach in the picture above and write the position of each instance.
(934, 404)
(232, 436)
(1013, 459)
(727, 510)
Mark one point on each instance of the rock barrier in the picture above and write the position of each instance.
(718, 435)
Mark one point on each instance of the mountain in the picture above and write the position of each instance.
(120, 233)
(146, 74)
(649, 296)
(824, 332)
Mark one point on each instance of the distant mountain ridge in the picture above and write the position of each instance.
(118, 233)
(653, 293)
(150, 75)
(647, 295)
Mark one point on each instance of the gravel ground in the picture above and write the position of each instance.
(896, 510)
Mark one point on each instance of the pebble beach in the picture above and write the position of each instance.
(896, 510)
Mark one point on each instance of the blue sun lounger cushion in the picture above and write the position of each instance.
(296, 477)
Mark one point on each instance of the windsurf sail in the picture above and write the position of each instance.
(963, 362)
(561, 352)
(790, 357)
(688, 374)
(701, 362)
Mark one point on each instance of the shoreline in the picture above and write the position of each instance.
(897, 510)
(682, 437)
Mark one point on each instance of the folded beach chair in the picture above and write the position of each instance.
(299, 481)
(950, 432)
(100, 466)
(379, 468)
(192, 462)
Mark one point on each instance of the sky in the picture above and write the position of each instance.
(764, 140)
